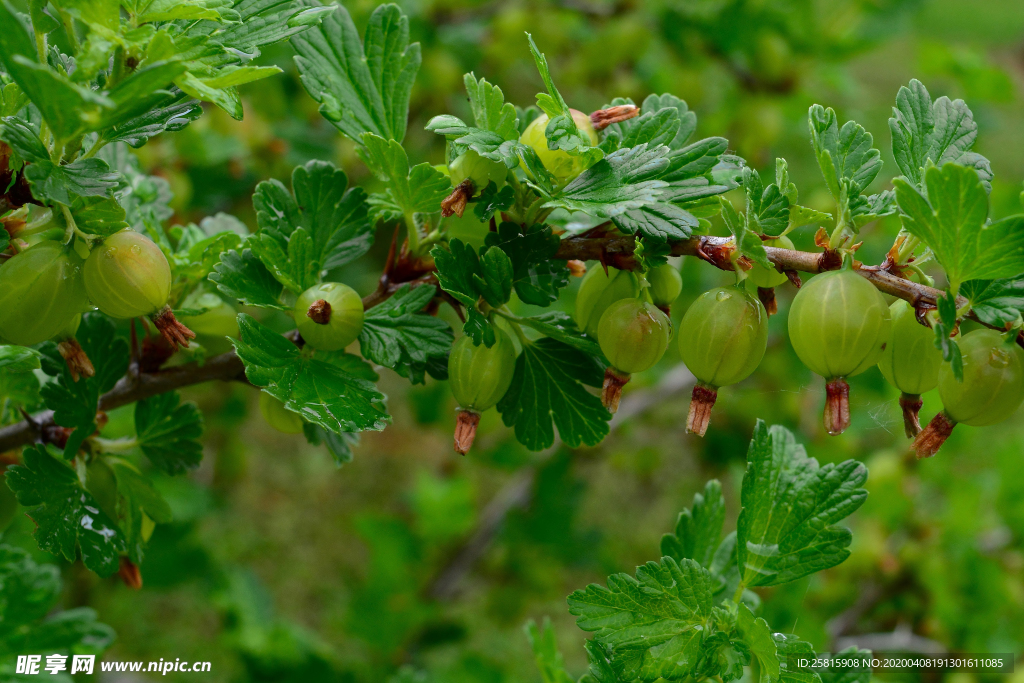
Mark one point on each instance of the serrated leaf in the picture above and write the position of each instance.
(652, 625)
(338, 445)
(546, 654)
(243, 277)
(653, 127)
(561, 327)
(319, 391)
(361, 88)
(548, 387)
(767, 207)
(456, 268)
(845, 152)
(757, 636)
(791, 651)
(864, 209)
(479, 328)
(624, 180)
(60, 183)
(536, 276)
(396, 332)
(66, 514)
(940, 132)
(495, 281)
(698, 529)
(174, 114)
(18, 358)
(747, 242)
(137, 499)
(952, 221)
(658, 116)
(786, 528)
(490, 111)
(168, 432)
(419, 189)
(694, 160)
(996, 302)
(100, 216)
(492, 201)
(657, 220)
(834, 673)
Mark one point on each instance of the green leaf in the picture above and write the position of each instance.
(694, 160)
(18, 359)
(495, 281)
(951, 220)
(66, 514)
(137, 497)
(652, 625)
(12, 99)
(83, 177)
(479, 328)
(548, 386)
(419, 189)
(536, 276)
(225, 98)
(657, 220)
(843, 153)
(864, 209)
(137, 94)
(758, 638)
(338, 445)
(98, 215)
(561, 132)
(791, 650)
(323, 226)
(601, 670)
(396, 332)
(624, 180)
(492, 201)
(786, 528)
(168, 432)
(748, 243)
(458, 267)
(172, 10)
(939, 132)
(319, 391)
(546, 653)
(698, 530)
(767, 207)
(490, 111)
(996, 302)
(261, 23)
(175, 113)
(361, 88)
(945, 327)
(561, 327)
(243, 277)
(28, 593)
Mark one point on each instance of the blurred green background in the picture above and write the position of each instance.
(413, 564)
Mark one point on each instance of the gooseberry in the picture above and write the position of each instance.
(763, 277)
(838, 326)
(666, 285)
(127, 276)
(558, 162)
(598, 291)
(910, 362)
(219, 320)
(991, 391)
(41, 292)
(329, 316)
(479, 170)
(278, 416)
(633, 335)
(478, 376)
(722, 338)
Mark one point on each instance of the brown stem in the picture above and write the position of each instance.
(911, 406)
(767, 297)
(837, 406)
(611, 392)
(702, 400)
(930, 440)
(465, 430)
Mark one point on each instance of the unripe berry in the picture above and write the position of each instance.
(221, 320)
(278, 416)
(127, 275)
(838, 325)
(471, 166)
(559, 163)
(41, 292)
(329, 316)
(598, 291)
(666, 284)
(763, 277)
(910, 362)
(991, 391)
(479, 377)
(633, 335)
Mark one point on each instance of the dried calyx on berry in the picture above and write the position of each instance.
(41, 293)
(839, 327)
(600, 288)
(991, 391)
(722, 339)
(479, 377)
(564, 166)
(470, 174)
(765, 280)
(72, 352)
(910, 362)
(633, 335)
(329, 316)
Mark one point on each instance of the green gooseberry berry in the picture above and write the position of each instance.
(479, 169)
(600, 289)
(278, 416)
(633, 335)
(329, 316)
(559, 163)
(219, 320)
(765, 278)
(479, 377)
(666, 284)
(127, 275)
(910, 361)
(41, 292)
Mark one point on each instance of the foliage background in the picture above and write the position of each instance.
(280, 567)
